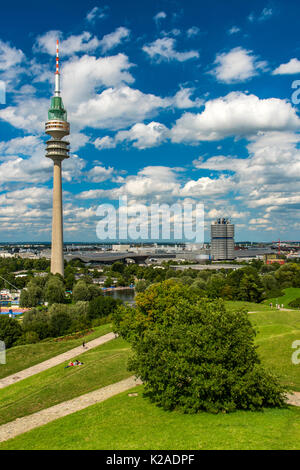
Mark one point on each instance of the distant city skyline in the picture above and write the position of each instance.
(169, 102)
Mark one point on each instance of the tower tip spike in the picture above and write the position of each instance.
(57, 74)
(57, 58)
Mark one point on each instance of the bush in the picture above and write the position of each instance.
(10, 330)
(193, 354)
(85, 292)
(31, 296)
(55, 290)
(31, 337)
(141, 286)
(102, 306)
(37, 321)
(60, 322)
(274, 293)
(295, 303)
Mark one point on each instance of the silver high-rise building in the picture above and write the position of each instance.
(222, 239)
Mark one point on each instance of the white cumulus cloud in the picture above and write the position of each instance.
(9, 56)
(112, 40)
(237, 65)
(236, 114)
(144, 136)
(164, 49)
(105, 142)
(96, 13)
(83, 42)
(159, 16)
(291, 67)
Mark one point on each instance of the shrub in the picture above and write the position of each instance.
(85, 292)
(141, 286)
(31, 296)
(295, 303)
(55, 290)
(274, 293)
(38, 321)
(31, 337)
(102, 306)
(60, 323)
(10, 330)
(194, 354)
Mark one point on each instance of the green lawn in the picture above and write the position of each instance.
(21, 357)
(103, 365)
(277, 330)
(124, 422)
(291, 293)
(249, 306)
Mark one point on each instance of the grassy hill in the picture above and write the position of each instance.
(124, 422)
(103, 366)
(276, 331)
(291, 293)
(27, 355)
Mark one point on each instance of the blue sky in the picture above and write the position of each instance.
(168, 101)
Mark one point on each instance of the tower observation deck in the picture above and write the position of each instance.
(57, 127)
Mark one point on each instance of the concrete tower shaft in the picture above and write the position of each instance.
(57, 149)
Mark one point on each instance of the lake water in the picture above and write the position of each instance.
(126, 295)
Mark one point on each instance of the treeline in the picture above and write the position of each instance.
(52, 289)
(10, 266)
(253, 283)
(59, 319)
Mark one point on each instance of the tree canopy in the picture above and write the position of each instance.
(194, 354)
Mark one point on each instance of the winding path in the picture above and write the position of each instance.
(22, 425)
(293, 398)
(54, 361)
(27, 423)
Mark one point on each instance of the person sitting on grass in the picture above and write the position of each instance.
(69, 365)
(76, 363)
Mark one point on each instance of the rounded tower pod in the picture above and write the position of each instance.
(57, 127)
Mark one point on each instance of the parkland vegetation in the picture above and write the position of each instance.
(59, 306)
(194, 354)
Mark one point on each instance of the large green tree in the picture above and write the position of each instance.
(102, 306)
(31, 296)
(55, 290)
(85, 292)
(194, 354)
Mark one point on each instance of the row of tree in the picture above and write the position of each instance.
(58, 320)
(253, 282)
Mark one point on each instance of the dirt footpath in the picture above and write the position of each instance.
(54, 361)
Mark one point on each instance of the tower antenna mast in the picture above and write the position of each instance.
(57, 74)
(57, 127)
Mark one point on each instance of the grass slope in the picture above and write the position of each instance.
(249, 306)
(277, 330)
(291, 293)
(21, 357)
(103, 365)
(124, 422)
